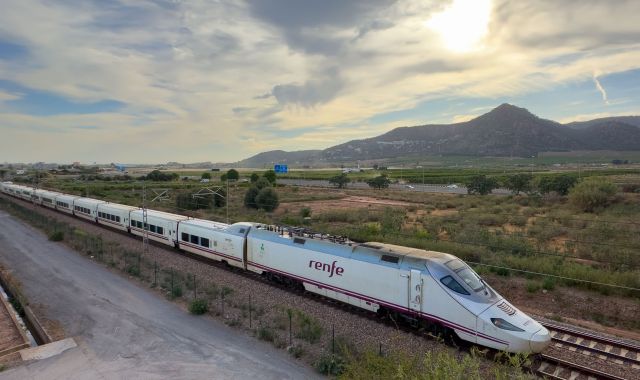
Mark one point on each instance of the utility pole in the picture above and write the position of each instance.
(145, 225)
(227, 200)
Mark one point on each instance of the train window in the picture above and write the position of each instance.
(185, 237)
(390, 259)
(118, 219)
(454, 285)
(299, 241)
(466, 274)
(195, 239)
(241, 230)
(204, 242)
(160, 230)
(152, 228)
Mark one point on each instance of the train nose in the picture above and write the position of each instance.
(540, 340)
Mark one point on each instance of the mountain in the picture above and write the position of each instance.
(279, 157)
(632, 120)
(504, 131)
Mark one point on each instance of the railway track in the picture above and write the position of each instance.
(551, 367)
(545, 365)
(590, 344)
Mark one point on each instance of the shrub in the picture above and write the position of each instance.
(270, 175)
(296, 351)
(592, 193)
(267, 199)
(266, 334)
(56, 236)
(549, 283)
(330, 365)
(305, 212)
(133, 270)
(532, 286)
(309, 328)
(176, 292)
(198, 306)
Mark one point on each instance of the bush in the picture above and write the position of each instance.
(330, 365)
(176, 292)
(266, 334)
(309, 328)
(267, 199)
(56, 236)
(549, 283)
(198, 306)
(250, 197)
(591, 194)
(305, 212)
(532, 286)
(296, 351)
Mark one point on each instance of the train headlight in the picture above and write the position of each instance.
(502, 324)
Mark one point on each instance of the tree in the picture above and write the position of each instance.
(480, 184)
(223, 177)
(267, 199)
(593, 193)
(561, 184)
(254, 177)
(519, 182)
(250, 197)
(262, 183)
(380, 182)
(270, 175)
(159, 176)
(339, 181)
(205, 175)
(233, 175)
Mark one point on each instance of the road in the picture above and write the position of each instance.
(122, 329)
(407, 187)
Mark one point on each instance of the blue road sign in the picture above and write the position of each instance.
(280, 168)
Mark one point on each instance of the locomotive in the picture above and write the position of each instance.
(426, 287)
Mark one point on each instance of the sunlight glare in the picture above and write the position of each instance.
(462, 25)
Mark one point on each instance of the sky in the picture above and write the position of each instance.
(153, 81)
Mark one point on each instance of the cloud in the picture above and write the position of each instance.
(186, 74)
(600, 88)
(312, 92)
(8, 96)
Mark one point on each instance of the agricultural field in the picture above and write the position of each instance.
(542, 243)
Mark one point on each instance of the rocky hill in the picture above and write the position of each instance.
(504, 131)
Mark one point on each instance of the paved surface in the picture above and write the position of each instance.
(408, 187)
(122, 329)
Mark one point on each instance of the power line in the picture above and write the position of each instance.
(475, 244)
(556, 276)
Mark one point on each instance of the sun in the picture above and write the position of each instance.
(462, 25)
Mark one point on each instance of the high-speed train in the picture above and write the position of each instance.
(427, 287)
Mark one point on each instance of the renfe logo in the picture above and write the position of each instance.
(331, 269)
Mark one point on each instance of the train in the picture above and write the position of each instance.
(432, 289)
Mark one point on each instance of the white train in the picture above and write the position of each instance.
(431, 288)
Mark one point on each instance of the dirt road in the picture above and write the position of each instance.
(122, 329)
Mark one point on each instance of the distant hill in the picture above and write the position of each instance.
(632, 120)
(504, 131)
(278, 157)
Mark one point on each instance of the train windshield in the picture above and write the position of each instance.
(466, 274)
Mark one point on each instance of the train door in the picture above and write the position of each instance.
(415, 290)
